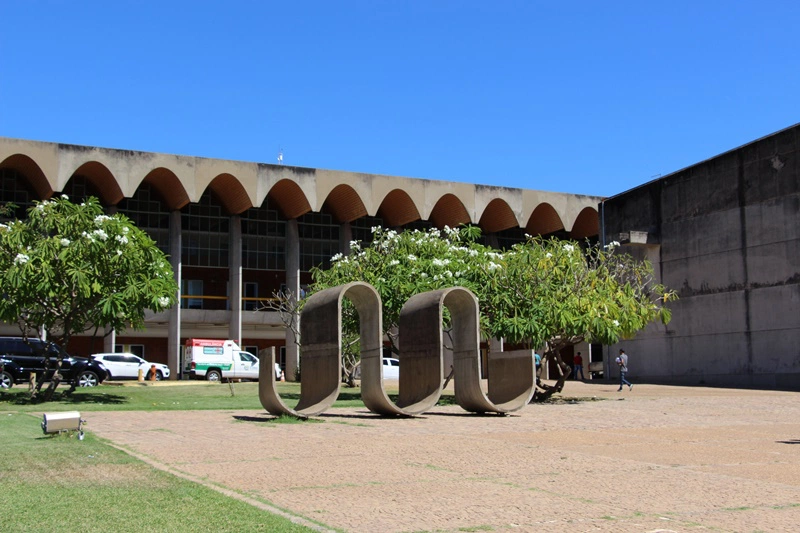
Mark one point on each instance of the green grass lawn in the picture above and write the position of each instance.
(171, 396)
(59, 483)
(165, 396)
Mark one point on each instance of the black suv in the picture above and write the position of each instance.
(20, 357)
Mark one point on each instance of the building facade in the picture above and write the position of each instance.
(724, 233)
(237, 232)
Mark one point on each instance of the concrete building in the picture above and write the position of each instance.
(725, 233)
(236, 232)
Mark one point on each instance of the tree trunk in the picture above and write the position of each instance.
(51, 388)
(564, 369)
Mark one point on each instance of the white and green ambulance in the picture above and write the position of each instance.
(216, 359)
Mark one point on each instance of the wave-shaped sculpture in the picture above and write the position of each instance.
(511, 378)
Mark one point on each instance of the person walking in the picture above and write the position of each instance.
(622, 361)
(577, 362)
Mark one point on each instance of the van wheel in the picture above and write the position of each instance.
(6, 381)
(213, 375)
(159, 375)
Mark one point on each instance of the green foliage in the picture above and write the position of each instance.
(559, 293)
(7, 209)
(400, 265)
(543, 292)
(70, 268)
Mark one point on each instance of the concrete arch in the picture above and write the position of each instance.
(289, 199)
(321, 352)
(102, 179)
(231, 193)
(32, 172)
(44, 155)
(344, 204)
(218, 175)
(587, 224)
(449, 211)
(398, 209)
(511, 374)
(168, 186)
(497, 216)
(544, 221)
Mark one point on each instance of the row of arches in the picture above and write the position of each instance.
(294, 191)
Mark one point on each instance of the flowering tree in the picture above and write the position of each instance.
(543, 293)
(69, 268)
(553, 294)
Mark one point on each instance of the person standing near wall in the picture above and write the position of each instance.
(622, 361)
(577, 363)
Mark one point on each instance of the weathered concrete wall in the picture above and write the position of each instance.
(728, 234)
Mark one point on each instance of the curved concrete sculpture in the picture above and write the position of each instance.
(511, 374)
(270, 399)
(321, 350)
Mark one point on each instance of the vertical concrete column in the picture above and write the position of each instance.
(174, 328)
(345, 236)
(109, 340)
(293, 287)
(235, 277)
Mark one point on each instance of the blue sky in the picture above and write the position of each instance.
(583, 97)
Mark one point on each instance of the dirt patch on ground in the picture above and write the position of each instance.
(652, 459)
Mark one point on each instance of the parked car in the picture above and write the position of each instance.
(391, 368)
(19, 357)
(127, 365)
(6, 379)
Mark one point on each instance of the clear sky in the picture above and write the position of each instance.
(586, 97)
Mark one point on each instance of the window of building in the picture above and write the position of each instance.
(263, 239)
(250, 296)
(79, 188)
(362, 229)
(251, 349)
(14, 188)
(507, 238)
(146, 210)
(421, 225)
(191, 287)
(205, 233)
(319, 240)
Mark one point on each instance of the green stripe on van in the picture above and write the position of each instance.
(205, 366)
